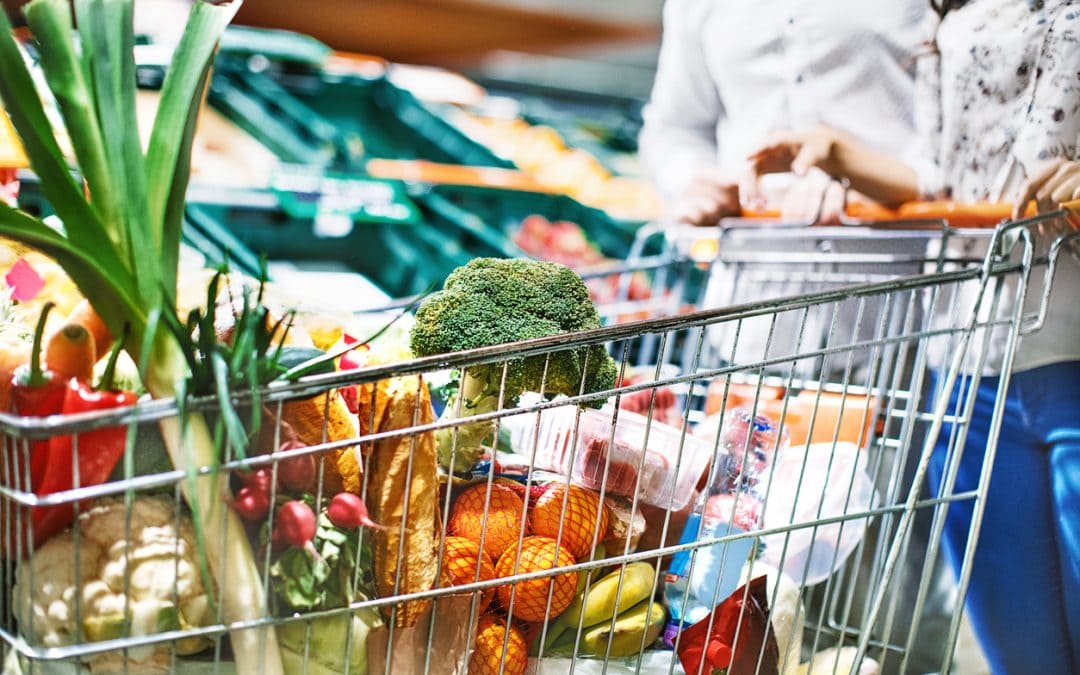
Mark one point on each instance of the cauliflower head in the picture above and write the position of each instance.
(128, 582)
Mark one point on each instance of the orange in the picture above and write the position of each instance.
(579, 519)
(531, 597)
(498, 641)
(459, 565)
(503, 517)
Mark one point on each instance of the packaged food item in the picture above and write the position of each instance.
(732, 504)
(738, 640)
(627, 453)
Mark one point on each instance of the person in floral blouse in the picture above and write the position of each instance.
(998, 107)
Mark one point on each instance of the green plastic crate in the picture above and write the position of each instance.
(322, 119)
(402, 259)
(503, 210)
(259, 106)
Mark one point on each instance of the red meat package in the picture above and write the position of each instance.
(628, 454)
(710, 650)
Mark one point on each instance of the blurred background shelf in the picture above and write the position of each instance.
(452, 32)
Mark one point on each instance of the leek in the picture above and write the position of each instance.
(122, 235)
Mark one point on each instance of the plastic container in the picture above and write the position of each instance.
(401, 259)
(732, 504)
(593, 453)
(638, 457)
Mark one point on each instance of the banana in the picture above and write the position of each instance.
(644, 621)
(599, 553)
(600, 602)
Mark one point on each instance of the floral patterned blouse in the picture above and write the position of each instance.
(999, 95)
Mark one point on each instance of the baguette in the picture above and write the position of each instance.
(402, 495)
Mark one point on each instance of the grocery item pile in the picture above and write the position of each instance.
(195, 472)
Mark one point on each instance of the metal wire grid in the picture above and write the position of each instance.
(891, 405)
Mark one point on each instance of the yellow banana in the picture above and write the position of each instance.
(633, 629)
(599, 553)
(605, 599)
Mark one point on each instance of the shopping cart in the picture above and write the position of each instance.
(853, 404)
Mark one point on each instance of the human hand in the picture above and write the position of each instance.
(795, 151)
(1055, 182)
(814, 199)
(708, 198)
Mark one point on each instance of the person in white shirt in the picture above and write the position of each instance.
(1000, 119)
(731, 73)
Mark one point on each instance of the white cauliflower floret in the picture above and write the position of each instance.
(136, 577)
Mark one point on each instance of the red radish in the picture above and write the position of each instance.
(348, 512)
(277, 541)
(352, 398)
(350, 361)
(297, 473)
(295, 525)
(259, 480)
(251, 504)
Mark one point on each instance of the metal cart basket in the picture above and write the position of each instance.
(841, 373)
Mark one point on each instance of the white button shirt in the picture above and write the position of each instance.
(733, 71)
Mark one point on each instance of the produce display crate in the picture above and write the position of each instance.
(604, 125)
(314, 116)
(422, 607)
(403, 259)
(504, 210)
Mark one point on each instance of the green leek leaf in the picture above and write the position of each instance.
(106, 287)
(168, 158)
(105, 27)
(23, 105)
(50, 20)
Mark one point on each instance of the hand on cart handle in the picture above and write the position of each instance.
(796, 152)
(708, 198)
(877, 175)
(1055, 185)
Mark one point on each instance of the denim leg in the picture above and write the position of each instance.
(1015, 597)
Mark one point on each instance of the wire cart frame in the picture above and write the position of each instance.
(842, 367)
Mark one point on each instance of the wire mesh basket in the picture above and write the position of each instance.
(780, 432)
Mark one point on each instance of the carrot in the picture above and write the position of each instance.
(85, 315)
(70, 352)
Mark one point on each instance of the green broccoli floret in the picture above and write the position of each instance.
(493, 301)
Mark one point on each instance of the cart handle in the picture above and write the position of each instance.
(976, 214)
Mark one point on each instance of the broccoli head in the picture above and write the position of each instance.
(493, 301)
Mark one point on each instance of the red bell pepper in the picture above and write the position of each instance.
(350, 361)
(98, 450)
(709, 652)
(36, 392)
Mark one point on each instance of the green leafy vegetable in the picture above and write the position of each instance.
(303, 582)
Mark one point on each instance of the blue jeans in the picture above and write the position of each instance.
(1024, 596)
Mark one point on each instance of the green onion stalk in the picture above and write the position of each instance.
(121, 237)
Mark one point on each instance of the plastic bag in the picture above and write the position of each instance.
(816, 552)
